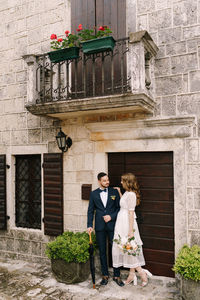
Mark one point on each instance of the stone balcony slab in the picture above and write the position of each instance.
(137, 102)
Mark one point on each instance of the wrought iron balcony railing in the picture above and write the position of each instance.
(91, 75)
(128, 70)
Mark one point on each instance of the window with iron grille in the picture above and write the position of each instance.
(28, 191)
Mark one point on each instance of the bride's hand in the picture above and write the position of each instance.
(117, 188)
(130, 235)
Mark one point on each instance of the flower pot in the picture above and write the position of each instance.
(64, 54)
(190, 289)
(70, 272)
(106, 43)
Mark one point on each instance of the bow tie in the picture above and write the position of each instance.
(105, 190)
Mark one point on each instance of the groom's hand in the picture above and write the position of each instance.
(89, 230)
(107, 218)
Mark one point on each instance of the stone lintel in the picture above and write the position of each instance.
(143, 129)
(139, 102)
(144, 36)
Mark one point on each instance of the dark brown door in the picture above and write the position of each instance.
(95, 13)
(155, 215)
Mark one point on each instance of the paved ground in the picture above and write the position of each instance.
(28, 281)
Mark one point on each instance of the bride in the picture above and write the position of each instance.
(126, 226)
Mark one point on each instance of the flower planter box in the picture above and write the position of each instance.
(190, 289)
(98, 45)
(70, 272)
(64, 54)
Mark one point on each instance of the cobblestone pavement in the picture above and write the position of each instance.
(28, 281)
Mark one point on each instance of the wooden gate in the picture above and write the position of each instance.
(155, 215)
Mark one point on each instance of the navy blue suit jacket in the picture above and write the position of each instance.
(96, 205)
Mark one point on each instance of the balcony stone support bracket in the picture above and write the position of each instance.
(32, 94)
(142, 51)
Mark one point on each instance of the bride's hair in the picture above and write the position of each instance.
(131, 184)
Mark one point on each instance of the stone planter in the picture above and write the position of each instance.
(70, 272)
(64, 54)
(190, 289)
(106, 43)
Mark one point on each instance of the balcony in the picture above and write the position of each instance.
(121, 80)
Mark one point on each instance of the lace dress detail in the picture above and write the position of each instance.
(127, 203)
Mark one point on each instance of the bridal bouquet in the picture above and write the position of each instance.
(128, 245)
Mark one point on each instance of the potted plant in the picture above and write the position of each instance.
(187, 264)
(64, 48)
(96, 42)
(70, 256)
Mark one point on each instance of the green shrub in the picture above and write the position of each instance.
(187, 262)
(71, 247)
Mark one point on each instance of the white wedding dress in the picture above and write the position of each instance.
(127, 203)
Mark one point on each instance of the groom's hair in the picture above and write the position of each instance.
(101, 174)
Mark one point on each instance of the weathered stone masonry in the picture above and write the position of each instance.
(175, 126)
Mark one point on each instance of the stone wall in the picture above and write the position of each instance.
(175, 28)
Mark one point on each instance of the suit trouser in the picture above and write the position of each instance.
(101, 241)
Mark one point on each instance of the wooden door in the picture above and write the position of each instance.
(92, 14)
(155, 215)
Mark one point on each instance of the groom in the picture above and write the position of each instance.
(105, 201)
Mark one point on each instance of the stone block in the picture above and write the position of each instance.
(162, 67)
(34, 136)
(160, 19)
(191, 32)
(194, 77)
(188, 104)
(82, 146)
(71, 222)
(169, 106)
(193, 175)
(3, 244)
(185, 13)
(82, 132)
(170, 35)
(69, 177)
(34, 36)
(84, 176)
(10, 244)
(36, 248)
(145, 6)
(22, 246)
(192, 150)
(176, 48)
(73, 207)
(194, 237)
(49, 134)
(19, 137)
(193, 219)
(88, 161)
(142, 23)
(169, 85)
(21, 76)
(193, 44)
(72, 192)
(197, 198)
(184, 63)
(161, 52)
(33, 21)
(9, 78)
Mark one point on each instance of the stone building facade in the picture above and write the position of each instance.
(164, 119)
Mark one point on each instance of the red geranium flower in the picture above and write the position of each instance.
(67, 32)
(101, 28)
(60, 40)
(53, 36)
(80, 27)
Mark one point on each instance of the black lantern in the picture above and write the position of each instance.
(63, 142)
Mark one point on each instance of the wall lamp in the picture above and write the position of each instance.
(63, 142)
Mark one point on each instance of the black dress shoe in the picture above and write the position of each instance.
(104, 280)
(118, 281)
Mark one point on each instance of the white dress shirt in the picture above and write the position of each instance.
(104, 197)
